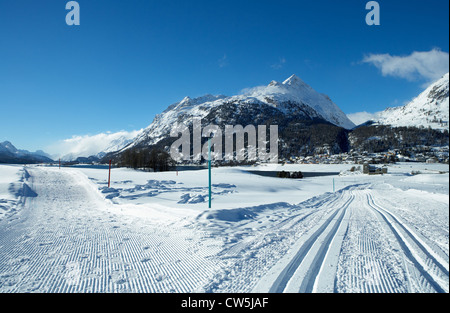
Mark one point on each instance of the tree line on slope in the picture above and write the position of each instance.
(146, 158)
(381, 138)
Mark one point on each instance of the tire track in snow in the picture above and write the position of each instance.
(431, 271)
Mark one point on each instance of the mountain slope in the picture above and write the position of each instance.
(10, 154)
(296, 90)
(283, 104)
(429, 109)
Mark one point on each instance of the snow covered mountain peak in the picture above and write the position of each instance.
(186, 99)
(289, 85)
(429, 109)
(277, 95)
(292, 99)
(294, 81)
(295, 90)
(274, 83)
(188, 102)
(10, 154)
(8, 146)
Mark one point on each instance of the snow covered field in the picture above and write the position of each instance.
(64, 230)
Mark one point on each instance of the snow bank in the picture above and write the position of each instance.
(11, 188)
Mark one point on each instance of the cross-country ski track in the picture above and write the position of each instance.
(309, 269)
(65, 236)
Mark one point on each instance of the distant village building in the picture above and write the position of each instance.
(373, 170)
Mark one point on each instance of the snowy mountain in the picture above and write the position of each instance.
(292, 101)
(117, 144)
(429, 109)
(10, 154)
(8, 147)
(294, 90)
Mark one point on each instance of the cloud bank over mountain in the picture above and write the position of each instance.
(87, 145)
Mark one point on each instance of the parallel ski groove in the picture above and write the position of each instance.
(280, 283)
(109, 254)
(308, 283)
(427, 277)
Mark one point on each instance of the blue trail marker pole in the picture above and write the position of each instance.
(109, 175)
(209, 169)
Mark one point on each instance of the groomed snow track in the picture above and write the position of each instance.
(364, 238)
(67, 239)
(362, 247)
(428, 271)
(315, 246)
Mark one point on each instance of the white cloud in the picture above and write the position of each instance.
(428, 65)
(252, 90)
(279, 64)
(223, 61)
(362, 117)
(88, 145)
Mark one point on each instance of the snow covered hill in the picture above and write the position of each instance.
(281, 103)
(429, 109)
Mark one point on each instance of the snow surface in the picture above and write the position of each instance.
(10, 177)
(66, 231)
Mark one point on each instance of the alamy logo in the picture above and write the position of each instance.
(234, 149)
(73, 17)
(373, 17)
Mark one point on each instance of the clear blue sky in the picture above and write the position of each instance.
(129, 60)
